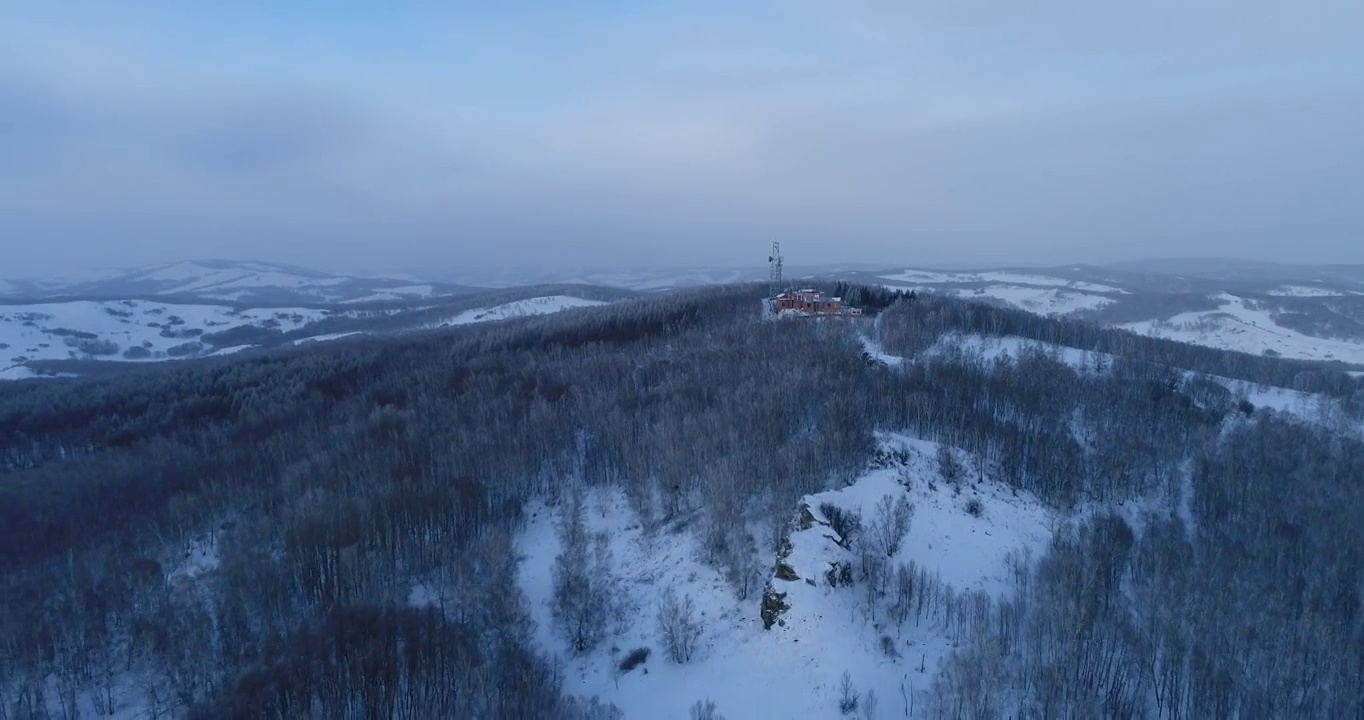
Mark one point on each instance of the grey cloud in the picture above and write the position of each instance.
(973, 132)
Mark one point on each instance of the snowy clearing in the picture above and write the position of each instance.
(324, 338)
(794, 669)
(1307, 291)
(521, 308)
(129, 329)
(1053, 301)
(946, 278)
(1238, 325)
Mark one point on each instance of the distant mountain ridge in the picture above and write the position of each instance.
(247, 282)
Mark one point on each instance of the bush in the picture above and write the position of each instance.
(705, 710)
(888, 647)
(185, 349)
(948, 466)
(90, 346)
(636, 658)
(974, 507)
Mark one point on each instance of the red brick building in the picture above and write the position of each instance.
(808, 301)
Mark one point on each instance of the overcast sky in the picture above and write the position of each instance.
(400, 136)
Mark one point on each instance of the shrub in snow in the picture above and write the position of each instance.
(576, 708)
(705, 710)
(636, 658)
(888, 648)
(678, 625)
(847, 695)
(948, 466)
(974, 507)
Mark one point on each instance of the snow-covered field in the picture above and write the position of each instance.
(1052, 301)
(148, 331)
(929, 277)
(1037, 294)
(521, 308)
(406, 292)
(1237, 325)
(990, 348)
(128, 329)
(794, 669)
(1308, 291)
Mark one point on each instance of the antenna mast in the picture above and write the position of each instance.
(774, 285)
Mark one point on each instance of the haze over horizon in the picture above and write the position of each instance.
(675, 134)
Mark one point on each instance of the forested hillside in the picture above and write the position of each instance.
(243, 538)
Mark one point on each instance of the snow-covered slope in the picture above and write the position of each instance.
(794, 669)
(521, 308)
(146, 330)
(235, 281)
(1239, 325)
(1042, 294)
(1307, 291)
(128, 329)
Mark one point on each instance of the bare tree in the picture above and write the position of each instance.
(582, 581)
(678, 625)
(891, 524)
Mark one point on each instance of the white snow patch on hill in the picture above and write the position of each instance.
(521, 308)
(324, 338)
(46, 331)
(406, 292)
(1308, 291)
(929, 277)
(1054, 301)
(993, 347)
(1238, 325)
(794, 669)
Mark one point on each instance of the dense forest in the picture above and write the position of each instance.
(324, 482)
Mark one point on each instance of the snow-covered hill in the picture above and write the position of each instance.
(141, 330)
(520, 308)
(1316, 319)
(135, 330)
(959, 542)
(236, 281)
(1245, 325)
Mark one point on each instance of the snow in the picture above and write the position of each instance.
(521, 308)
(1044, 302)
(792, 670)
(230, 350)
(1006, 278)
(1238, 326)
(324, 338)
(1307, 291)
(17, 372)
(874, 349)
(200, 558)
(34, 331)
(406, 292)
(991, 347)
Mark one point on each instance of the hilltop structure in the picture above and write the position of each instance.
(782, 301)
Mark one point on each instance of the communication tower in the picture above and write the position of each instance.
(774, 285)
